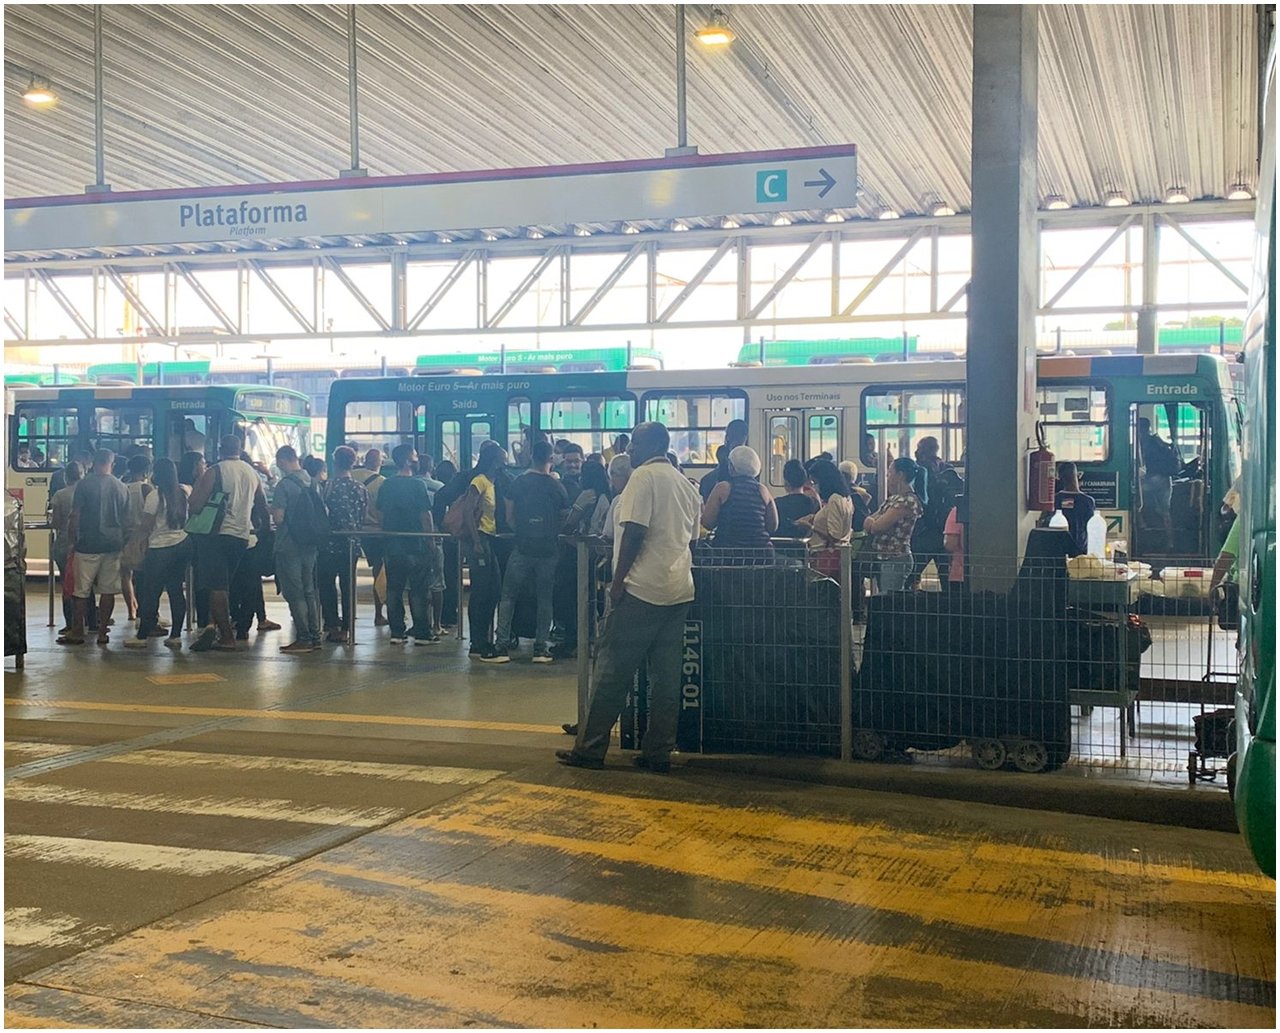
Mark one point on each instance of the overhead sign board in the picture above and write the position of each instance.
(651, 189)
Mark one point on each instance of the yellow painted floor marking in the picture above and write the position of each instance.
(287, 715)
(1053, 894)
(220, 807)
(140, 857)
(428, 774)
(183, 679)
(500, 938)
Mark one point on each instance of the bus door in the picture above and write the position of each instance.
(460, 436)
(802, 434)
(189, 431)
(43, 437)
(1173, 500)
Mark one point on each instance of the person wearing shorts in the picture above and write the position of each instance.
(97, 536)
(218, 555)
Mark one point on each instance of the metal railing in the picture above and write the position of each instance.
(1028, 663)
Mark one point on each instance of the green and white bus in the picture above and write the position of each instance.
(49, 426)
(1090, 406)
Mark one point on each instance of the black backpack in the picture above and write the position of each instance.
(307, 519)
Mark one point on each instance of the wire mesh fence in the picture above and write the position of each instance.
(1031, 664)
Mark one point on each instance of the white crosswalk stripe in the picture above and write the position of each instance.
(187, 823)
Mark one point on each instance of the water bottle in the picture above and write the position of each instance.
(1058, 521)
(1096, 535)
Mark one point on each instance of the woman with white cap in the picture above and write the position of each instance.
(741, 510)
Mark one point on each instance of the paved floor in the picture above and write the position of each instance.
(374, 839)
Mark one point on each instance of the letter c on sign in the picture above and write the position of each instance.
(769, 188)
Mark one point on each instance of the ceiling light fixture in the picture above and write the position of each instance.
(1116, 199)
(630, 228)
(730, 223)
(1177, 195)
(781, 220)
(1056, 202)
(679, 227)
(942, 208)
(887, 213)
(444, 238)
(833, 217)
(39, 94)
(535, 233)
(1239, 192)
(489, 235)
(582, 231)
(716, 33)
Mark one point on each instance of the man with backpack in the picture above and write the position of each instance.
(347, 501)
(536, 505)
(406, 507)
(302, 530)
(928, 537)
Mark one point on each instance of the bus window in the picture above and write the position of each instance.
(124, 429)
(263, 437)
(592, 423)
(696, 422)
(784, 433)
(909, 414)
(519, 422)
(479, 431)
(451, 443)
(381, 425)
(824, 435)
(46, 436)
(188, 434)
(1077, 422)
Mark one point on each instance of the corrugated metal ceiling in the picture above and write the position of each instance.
(1132, 98)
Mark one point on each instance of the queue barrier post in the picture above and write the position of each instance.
(585, 600)
(457, 546)
(189, 587)
(846, 652)
(353, 557)
(51, 579)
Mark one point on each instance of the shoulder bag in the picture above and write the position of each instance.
(209, 519)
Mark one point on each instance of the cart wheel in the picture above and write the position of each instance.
(989, 754)
(868, 745)
(1031, 757)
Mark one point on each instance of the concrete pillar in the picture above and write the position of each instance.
(1003, 290)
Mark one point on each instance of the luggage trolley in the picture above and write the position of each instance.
(1213, 727)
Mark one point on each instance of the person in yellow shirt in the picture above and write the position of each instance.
(482, 560)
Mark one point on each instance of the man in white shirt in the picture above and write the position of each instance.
(218, 554)
(650, 595)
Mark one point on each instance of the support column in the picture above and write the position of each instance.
(99, 184)
(1001, 368)
(1148, 335)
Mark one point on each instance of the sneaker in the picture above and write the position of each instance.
(268, 626)
(658, 767)
(380, 622)
(158, 632)
(543, 656)
(336, 636)
(204, 641)
(174, 642)
(135, 643)
(398, 640)
(493, 655)
(297, 647)
(425, 641)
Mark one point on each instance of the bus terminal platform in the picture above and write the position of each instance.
(380, 835)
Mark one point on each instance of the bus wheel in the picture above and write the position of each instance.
(1030, 757)
(868, 745)
(989, 754)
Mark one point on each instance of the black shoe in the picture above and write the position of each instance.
(493, 655)
(573, 760)
(569, 729)
(658, 767)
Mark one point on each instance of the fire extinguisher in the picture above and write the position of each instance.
(1041, 476)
